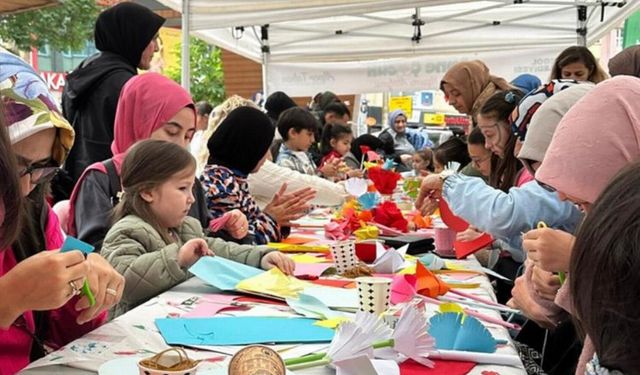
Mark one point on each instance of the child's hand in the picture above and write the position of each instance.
(355, 173)
(331, 167)
(277, 259)
(237, 225)
(191, 251)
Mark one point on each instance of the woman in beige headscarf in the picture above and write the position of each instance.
(468, 84)
(265, 183)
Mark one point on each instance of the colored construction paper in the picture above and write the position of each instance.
(71, 243)
(369, 200)
(298, 240)
(411, 367)
(295, 248)
(384, 180)
(428, 284)
(222, 273)
(307, 258)
(356, 186)
(211, 305)
(334, 283)
(311, 269)
(331, 323)
(432, 261)
(337, 230)
(452, 221)
(335, 297)
(272, 283)
(241, 331)
(465, 248)
(389, 165)
(455, 331)
(311, 307)
(402, 288)
(390, 260)
(372, 156)
(219, 222)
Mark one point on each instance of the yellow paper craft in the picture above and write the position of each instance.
(454, 266)
(410, 270)
(367, 232)
(451, 307)
(308, 259)
(331, 323)
(273, 283)
(293, 248)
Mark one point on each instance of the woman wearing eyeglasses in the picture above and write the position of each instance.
(41, 306)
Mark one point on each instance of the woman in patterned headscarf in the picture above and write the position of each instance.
(42, 310)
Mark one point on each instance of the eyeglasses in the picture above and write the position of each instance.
(477, 161)
(39, 174)
(546, 187)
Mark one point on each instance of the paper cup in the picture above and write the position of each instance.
(344, 255)
(374, 293)
(444, 239)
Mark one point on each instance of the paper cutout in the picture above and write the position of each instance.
(210, 305)
(452, 221)
(389, 165)
(312, 307)
(454, 331)
(331, 323)
(441, 367)
(307, 259)
(218, 223)
(72, 243)
(273, 283)
(451, 308)
(349, 342)
(335, 298)
(389, 214)
(410, 336)
(465, 248)
(402, 288)
(222, 273)
(356, 186)
(369, 200)
(241, 331)
(390, 260)
(294, 248)
(373, 156)
(337, 230)
(311, 269)
(428, 284)
(421, 222)
(385, 181)
(432, 261)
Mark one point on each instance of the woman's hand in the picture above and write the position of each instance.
(549, 249)
(105, 283)
(277, 259)
(193, 250)
(430, 186)
(545, 284)
(468, 234)
(41, 282)
(522, 300)
(237, 225)
(285, 208)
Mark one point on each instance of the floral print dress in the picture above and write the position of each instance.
(226, 190)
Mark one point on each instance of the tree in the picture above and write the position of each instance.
(206, 72)
(64, 27)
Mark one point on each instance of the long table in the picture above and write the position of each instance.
(134, 335)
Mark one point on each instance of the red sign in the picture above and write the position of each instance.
(55, 81)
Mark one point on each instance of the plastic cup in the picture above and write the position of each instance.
(444, 239)
(374, 293)
(344, 255)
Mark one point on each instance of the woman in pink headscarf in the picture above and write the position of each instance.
(150, 106)
(598, 137)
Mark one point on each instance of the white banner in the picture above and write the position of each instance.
(409, 74)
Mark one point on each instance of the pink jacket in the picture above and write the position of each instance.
(15, 343)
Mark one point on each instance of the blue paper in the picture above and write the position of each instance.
(222, 273)
(241, 331)
(451, 333)
(369, 200)
(389, 165)
(71, 243)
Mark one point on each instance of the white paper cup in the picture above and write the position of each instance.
(374, 293)
(344, 255)
(444, 239)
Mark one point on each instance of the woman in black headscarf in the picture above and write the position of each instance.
(125, 35)
(239, 147)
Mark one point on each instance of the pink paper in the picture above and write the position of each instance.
(311, 269)
(403, 288)
(337, 231)
(218, 223)
(212, 304)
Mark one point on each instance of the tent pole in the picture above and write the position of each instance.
(266, 52)
(581, 31)
(185, 77)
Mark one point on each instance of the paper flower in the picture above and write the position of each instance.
(456, 331)
(337, 230)
(356, 186)
(389, 165)
(368, 200)
(367, 232)
(389, 214)
(385, 181)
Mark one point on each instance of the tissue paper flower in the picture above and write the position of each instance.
(385, 181)
(389, 214)
(368, 200)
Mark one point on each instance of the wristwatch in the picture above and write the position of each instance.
(446, 173)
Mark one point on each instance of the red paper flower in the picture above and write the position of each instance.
(389, 214)
(385, 181)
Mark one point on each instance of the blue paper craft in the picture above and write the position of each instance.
(71, 243)
(369, 200)
(222, 273)
(452, 333)
(241, 331)
(389, 165)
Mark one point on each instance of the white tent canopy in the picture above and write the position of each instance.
(304, 37)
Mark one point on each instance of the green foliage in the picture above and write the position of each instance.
(63, 27)
(206, 72)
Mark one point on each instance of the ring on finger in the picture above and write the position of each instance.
(74, 288)
(111, 291)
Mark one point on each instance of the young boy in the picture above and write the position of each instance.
(297, 127)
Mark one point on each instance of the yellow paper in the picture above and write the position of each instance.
(293, 248)
(308, 259)
(454, 266)
(451, 307)
(367, 232)
(273, 283)
(410, 270)
(369, 164)
(331, 323)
